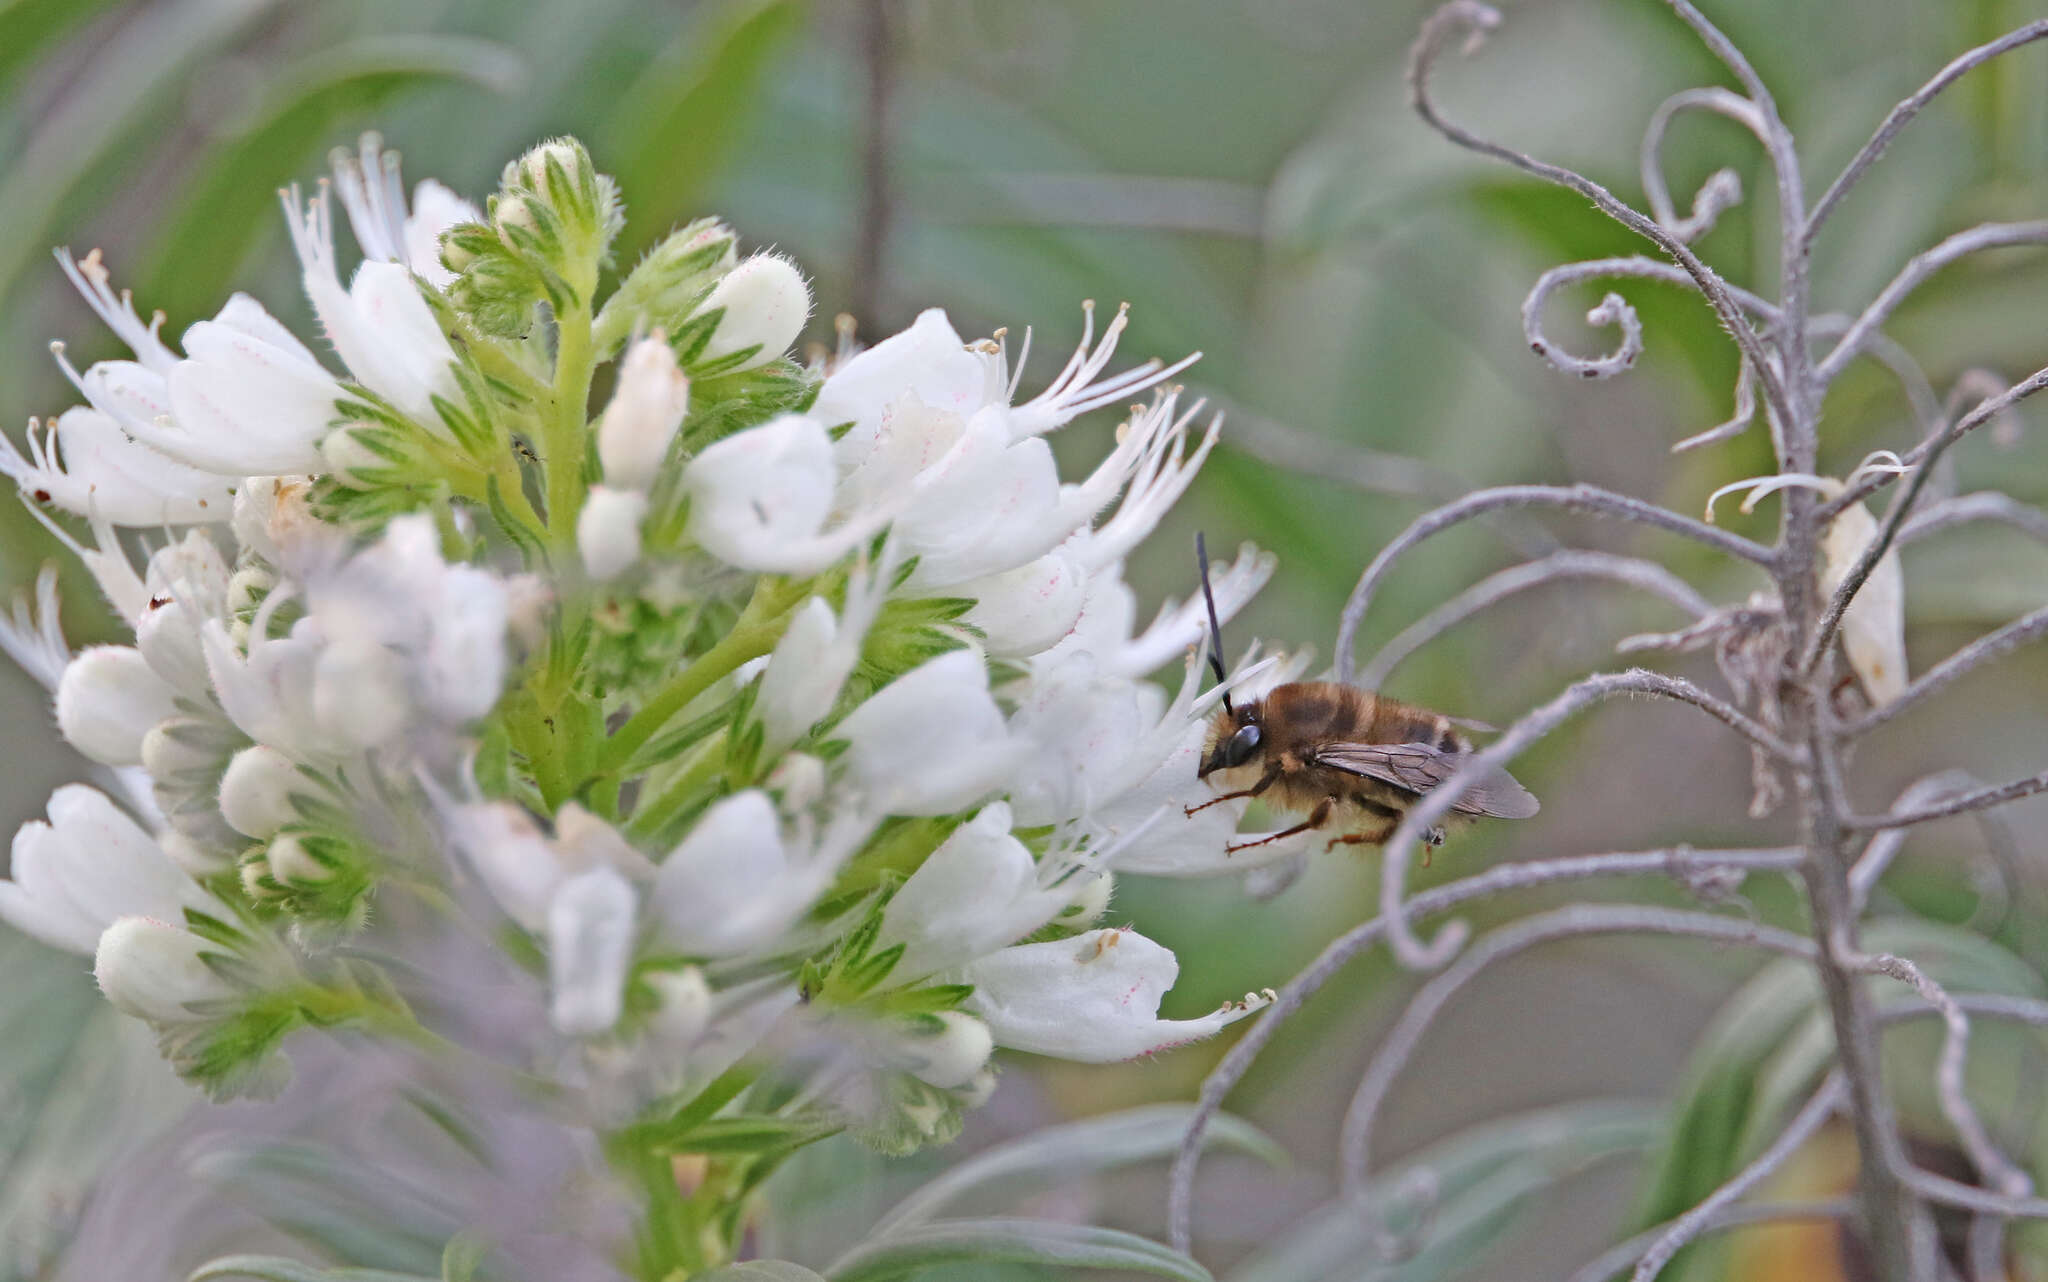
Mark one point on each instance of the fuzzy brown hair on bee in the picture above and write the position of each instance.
(1346, 759)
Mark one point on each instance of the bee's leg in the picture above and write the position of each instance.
(1266, 781)
(1315, 819)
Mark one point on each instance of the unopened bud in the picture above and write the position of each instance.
(1091, 900)
(531, 170)
(256, 791)
(949, 1057)
(684, 1008)
(590, 942)
(293, 863)
(188, 750)
(608, 530)
(257, 883)
(249, 585)
(153, 970)
(765, 303)
(108, 699)
(644, 415)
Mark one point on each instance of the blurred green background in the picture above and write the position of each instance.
(1247, 173)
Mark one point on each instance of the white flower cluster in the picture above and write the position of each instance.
(787, 716)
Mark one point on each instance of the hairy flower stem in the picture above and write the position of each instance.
(754, 634)
(563, 446)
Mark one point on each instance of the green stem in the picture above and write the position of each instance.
(563, 445)
(755, 633)
(653, 813)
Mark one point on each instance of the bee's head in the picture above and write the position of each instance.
(1237, 739)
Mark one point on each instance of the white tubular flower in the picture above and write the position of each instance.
(590, 943)
(249, 399)
(383, 330)
(85, 464)
(736, 885)
(759, 500)
(89, 865)
(108, 699)
(1087, 738)
(156, 971)
(608, 531)
(645, 412)
(275, 520)
(1092, 998)
(930, 742)
(268, 692)
(765, 304)
(978, 892)
(816, 654)
(1028, 609)
(372, 193)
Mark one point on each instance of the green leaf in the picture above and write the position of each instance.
(276, 1268)
(762, 1271)
(233, 206)
(1483, 1180)
(1048, 1243)
(1060, 1153)
(28, 26)
(677, 124)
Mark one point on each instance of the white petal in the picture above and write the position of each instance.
(608, 531)
(1093, 998)
(645, 411)
(434, 210)
(108, 699)
(105, 475)
(1874, 625)
(151, 969)
(510, 856)
(731, 886)
(930, 742)
(976, 893)
(759, 499)
(590, 943)
(766, 304)
(1029, 609)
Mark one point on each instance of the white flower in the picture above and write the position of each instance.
(947, 1057)
(511, 856)
(736, 884)
(590, 943)
(930, 742)
(608, 530)
(374, 197)
(108, 699)
(156, 971)
(818, 651)
(86, 464)
(759, 499)
(978, 892)
(89, 865)
(765, 303)
(645, 412)
(274, 519)
(380, 326)
(1093, 998)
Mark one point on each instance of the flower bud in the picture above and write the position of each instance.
(293, 862)
(978, 1089)
(684, 1008)
(1091, 900)
(188, 751)
(248, 586)
(153, 970)
(765, 303)
(949, 1057)
(256, 791)
(108, 699)
(608, 531)
(257, 882)
(644, 414)
(531, 170)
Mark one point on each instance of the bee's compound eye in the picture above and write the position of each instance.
(1241, 746)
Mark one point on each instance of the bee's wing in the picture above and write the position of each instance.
(1420, 767)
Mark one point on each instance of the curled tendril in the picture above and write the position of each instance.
(1723, 189)
(1612, 310)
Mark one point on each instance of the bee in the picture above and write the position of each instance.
(1339, 755)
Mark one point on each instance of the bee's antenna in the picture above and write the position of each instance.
(1215, 628)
